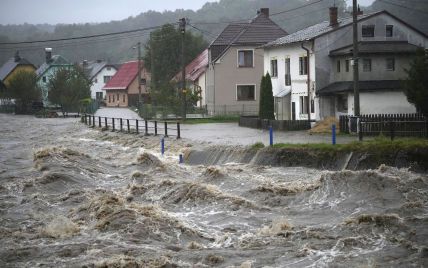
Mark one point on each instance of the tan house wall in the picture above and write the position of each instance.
(113, 101)
(227, 75)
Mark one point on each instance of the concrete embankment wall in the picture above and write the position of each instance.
(415, 159)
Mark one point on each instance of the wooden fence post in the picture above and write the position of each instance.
(156, 128)
(166, 128)
(121, 124)
(112, 121)
(127, 123)
(146, 128)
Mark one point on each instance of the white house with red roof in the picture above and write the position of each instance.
(122, 89)
(196, 79)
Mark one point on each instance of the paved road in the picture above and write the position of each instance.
(231, 133)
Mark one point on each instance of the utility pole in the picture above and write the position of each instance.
(139, 73)
(183, 66)
(152, 67)
(355, 58)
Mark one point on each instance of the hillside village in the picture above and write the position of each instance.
(310, 70)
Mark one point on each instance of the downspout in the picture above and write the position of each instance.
(308, 82)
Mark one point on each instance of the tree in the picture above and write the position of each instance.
(266, 108)
(23, 88)
(69, 88)
(164, 49)
(416, 83)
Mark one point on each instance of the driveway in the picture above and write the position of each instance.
(231, 133)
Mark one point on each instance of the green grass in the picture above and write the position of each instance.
(379, 145)
(214, 119)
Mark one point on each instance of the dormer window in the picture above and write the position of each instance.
(367, 30)
(389, 31)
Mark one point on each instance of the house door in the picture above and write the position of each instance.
(293, 110)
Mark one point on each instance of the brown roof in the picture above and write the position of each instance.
(256, 32)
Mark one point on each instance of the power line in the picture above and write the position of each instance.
(84, 37)
(402, 6)
(296, 8)
(273, 14)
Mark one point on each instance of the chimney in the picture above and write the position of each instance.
(333, 16)
(48, 52)
(85, 63)
(264, 11)
(17, 57)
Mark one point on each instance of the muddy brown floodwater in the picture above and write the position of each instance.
(71, 196)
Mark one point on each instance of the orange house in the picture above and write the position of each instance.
(122, 89)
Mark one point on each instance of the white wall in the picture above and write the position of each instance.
(385, 102)
(97, 87)
(298, 82)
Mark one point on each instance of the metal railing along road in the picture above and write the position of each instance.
(135, 126)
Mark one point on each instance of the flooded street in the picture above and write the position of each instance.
(71, 196)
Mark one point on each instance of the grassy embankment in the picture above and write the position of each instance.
(379, 145)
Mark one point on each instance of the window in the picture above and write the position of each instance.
(246, 92)
(312, 106)
(367, 31)
(389, 31)
(245, 58)
(143, 81)
(338, 66)
(106, 79)
(117, 96)
(99, 95)
(367, 65)
(108, 68)
(274, 68)
(347, 65)
(109, 100)
(303, 65)
(287, 72)
(303, 104)
(123, 98)
(44, 79)
(113, 97)
(390, 64)
(342, 103)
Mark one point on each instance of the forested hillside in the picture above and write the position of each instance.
(208, 21)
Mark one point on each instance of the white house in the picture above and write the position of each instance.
(386, 46)
(99, 72)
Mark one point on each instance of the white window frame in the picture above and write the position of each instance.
(255, 91)
(237, 57)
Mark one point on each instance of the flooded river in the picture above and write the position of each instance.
(71, 196)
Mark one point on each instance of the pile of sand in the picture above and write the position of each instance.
(324, 126)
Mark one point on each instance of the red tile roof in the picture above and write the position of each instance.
(124, 76)
(195, 68)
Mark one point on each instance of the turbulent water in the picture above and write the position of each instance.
(71, 196)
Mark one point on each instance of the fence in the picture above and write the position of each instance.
(255, 122)
(239, 109)
(135, 126)
(404, 125)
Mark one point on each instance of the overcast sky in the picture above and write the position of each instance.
(80, 11)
